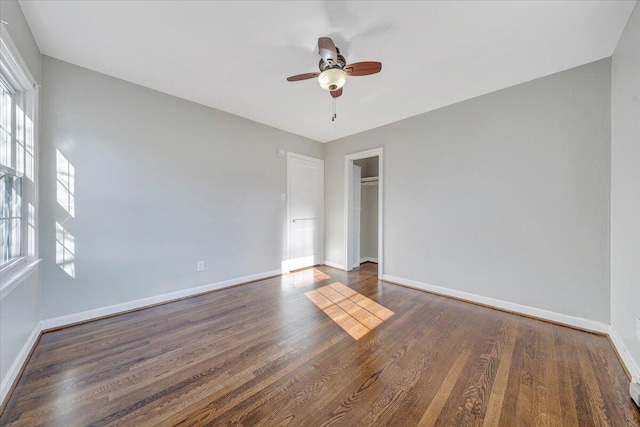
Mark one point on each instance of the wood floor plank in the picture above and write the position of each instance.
(444, 393)
(499, 388)
(474, 398)
(548, 383)
(268, 354)
(566, 394)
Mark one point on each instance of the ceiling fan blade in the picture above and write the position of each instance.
(336, 93)
(327, 49)
(302, 77)
(363, 68)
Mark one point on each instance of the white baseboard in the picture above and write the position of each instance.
(576, 322)
(84, 316)
(334, 265)
(628, 361)
(19, 362)
(368, 259)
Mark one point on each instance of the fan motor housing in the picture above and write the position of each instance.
(323, 65)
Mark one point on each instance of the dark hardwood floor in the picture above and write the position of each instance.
(266, 354)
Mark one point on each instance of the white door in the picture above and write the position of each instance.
(305, 188)
(357, 203)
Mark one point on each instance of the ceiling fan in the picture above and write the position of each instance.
(334, 69)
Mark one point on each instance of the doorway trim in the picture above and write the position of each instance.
(348, 204)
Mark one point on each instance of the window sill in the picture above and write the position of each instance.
(11, 277)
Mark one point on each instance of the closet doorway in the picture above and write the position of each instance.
(363, 209)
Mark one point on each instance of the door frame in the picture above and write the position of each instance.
(348, 204)
(286, 264)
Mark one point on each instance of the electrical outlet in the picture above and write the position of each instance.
(200, 266)
(638, 327)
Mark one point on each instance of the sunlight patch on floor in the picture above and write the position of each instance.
(352, 311)
(306, 277)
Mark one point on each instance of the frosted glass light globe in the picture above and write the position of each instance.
(332, 79)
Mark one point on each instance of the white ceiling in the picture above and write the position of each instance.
(235, 56)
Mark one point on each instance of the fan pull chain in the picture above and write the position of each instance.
(334, 116)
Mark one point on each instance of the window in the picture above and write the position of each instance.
(17, 160)
(10, 217)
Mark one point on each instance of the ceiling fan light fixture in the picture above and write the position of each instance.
(332, 79)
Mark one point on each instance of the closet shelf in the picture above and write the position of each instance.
(372, 180)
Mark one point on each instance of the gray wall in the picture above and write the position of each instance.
(19, 310)
(160, 184)
(505, 195)
(625, 185)
(19, 316)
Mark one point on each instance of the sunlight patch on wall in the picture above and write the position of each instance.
(352, 311)
(65, 250)
(296, 263)
(65, 184)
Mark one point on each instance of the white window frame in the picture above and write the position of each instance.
(16, 74)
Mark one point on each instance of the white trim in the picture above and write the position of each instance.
(19, 70)
(19, 362)
(628, 361)
(96, 313)
(334, 265)
(348, 161)
(368, 259)
(576, 322)
(303, 157)
(13, 282)
(11, 171)
(12, 264)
